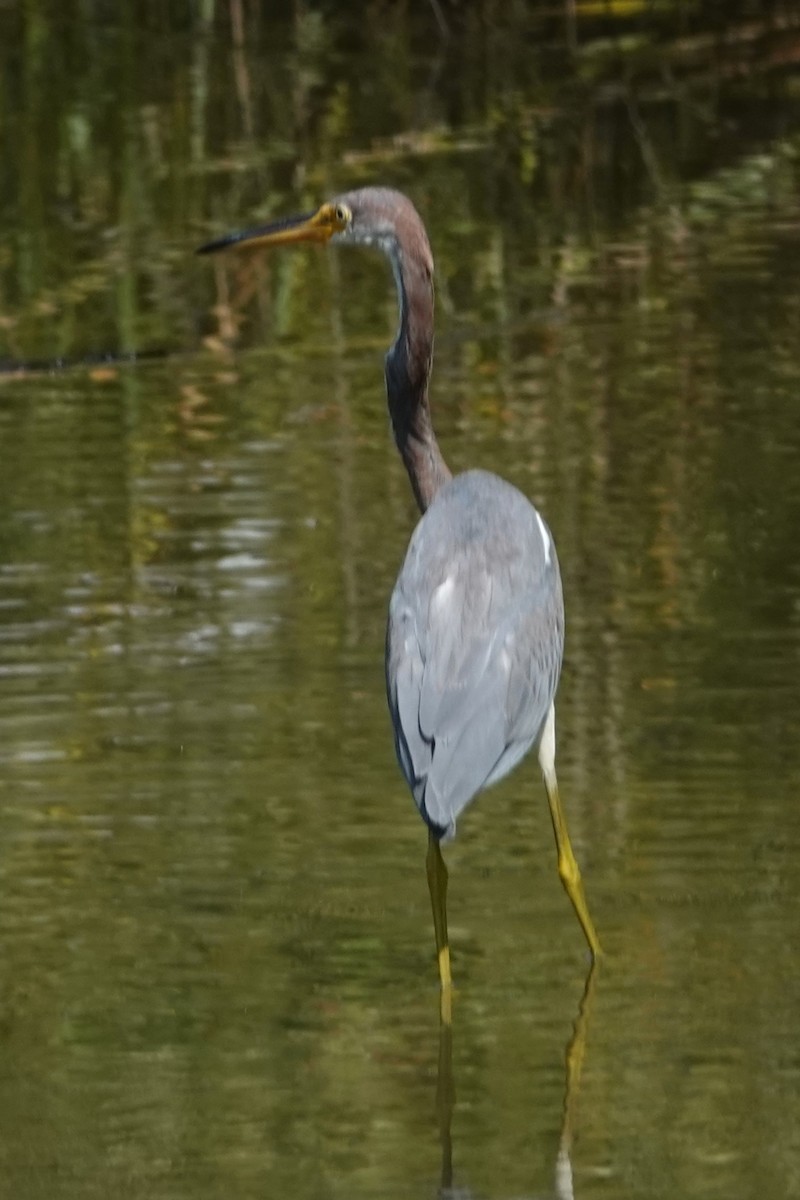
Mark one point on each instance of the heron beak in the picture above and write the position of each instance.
(318, 226)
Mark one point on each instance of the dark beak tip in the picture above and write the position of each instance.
(212, 247)
(248, 235)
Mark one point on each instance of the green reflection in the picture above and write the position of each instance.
(214, 924)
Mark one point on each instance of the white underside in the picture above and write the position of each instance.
(547, 745)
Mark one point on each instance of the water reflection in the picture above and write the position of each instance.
(574, 1057)
(214, 925)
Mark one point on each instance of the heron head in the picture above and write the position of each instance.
(371, 216)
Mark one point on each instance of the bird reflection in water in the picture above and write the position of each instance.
(475, 633)
(574, 1056)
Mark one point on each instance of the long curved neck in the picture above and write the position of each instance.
(408, 372)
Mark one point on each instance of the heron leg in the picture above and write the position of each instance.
(437, 884)
(568, 870)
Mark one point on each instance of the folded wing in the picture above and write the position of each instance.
(471, 673)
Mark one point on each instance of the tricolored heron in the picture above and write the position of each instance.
(475, 634)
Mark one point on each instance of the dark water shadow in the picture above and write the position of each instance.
(574, 1056)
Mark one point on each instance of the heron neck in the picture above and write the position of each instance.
(408, 372)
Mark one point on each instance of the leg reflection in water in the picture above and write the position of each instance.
(445, 1103)
(573, 1060)
(574, 1055)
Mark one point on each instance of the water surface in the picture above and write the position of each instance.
(217, 950)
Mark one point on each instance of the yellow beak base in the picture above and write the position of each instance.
(318, 226)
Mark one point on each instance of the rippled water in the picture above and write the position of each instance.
(214, 925)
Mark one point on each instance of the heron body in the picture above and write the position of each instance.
(475, 633)
(474, 643)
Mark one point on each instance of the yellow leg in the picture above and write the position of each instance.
(568, 871)
(437, 883)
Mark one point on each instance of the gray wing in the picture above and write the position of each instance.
(472, 662)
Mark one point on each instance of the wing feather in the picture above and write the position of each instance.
(473, 653)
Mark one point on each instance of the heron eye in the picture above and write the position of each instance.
(342, 214)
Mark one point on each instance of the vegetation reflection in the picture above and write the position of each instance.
(214, 967)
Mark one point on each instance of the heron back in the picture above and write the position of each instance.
(474, 643)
